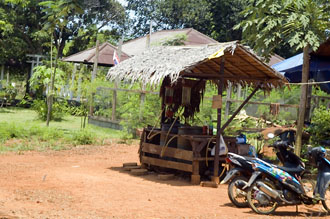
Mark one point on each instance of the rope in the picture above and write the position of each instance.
(207, 148)
(309, 83)
(150, 137)
(164, 147)
(223, 171)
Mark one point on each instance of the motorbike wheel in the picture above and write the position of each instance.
(326, 201)
(260, 202)
(236, 195)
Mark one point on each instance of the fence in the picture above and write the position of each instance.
(111, 100)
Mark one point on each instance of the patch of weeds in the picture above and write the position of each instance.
(51, 134)
(21, 146)
(83, 137)
(127, 138)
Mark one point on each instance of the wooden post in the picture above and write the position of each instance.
(303, 100)
(216, 155)
(228, 98)
(142, 100)
(195, 177)
(114, 101)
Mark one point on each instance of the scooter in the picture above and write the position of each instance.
(271, 186)
(242, 171)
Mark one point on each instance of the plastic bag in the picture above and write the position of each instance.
(223, 149)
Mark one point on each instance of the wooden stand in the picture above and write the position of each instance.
(178, 159)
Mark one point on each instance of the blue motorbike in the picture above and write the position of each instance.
(270, 186)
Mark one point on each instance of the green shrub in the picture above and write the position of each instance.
(58, 110)
(83, 137)
(320, 128)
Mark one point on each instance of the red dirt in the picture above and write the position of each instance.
(88, 182)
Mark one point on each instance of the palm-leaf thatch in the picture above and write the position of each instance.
(241, 65)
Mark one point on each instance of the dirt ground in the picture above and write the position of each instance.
(88, 182)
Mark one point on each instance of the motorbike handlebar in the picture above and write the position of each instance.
(281, 144)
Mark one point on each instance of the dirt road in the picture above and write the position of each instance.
(88, 182)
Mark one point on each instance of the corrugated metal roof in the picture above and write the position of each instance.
(87, 56)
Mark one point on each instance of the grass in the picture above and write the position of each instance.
(20, 130)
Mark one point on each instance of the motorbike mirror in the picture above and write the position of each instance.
(270, 135)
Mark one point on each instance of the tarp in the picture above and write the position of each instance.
(319, 70)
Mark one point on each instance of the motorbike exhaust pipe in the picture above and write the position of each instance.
(268, 191)
(240, 184)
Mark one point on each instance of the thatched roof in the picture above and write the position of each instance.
(87, 56)
(241, 65)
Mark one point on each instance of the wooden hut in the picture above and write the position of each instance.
(175, 67)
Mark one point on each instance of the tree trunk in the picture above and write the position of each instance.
(52, 83)
(303, 100)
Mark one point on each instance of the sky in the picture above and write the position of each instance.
(123, 2)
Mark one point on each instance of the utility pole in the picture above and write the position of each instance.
(96, 58)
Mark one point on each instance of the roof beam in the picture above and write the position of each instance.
(237, 68)
(247, 62)
(200, 75)
(231, 73)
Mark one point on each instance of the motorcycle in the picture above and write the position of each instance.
(271, 186)
(243, 170)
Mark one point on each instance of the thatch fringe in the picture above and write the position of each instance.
(153, 65)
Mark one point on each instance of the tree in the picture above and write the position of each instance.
(57, 14)
(214, 18)
(95, 15)
(19, 30)
(301, 24)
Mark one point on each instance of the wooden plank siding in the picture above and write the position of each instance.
(169, 152)
(167, 164)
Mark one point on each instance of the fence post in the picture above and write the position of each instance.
(142, 100)
(114, 101)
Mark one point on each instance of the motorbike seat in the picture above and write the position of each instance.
(293, 170)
